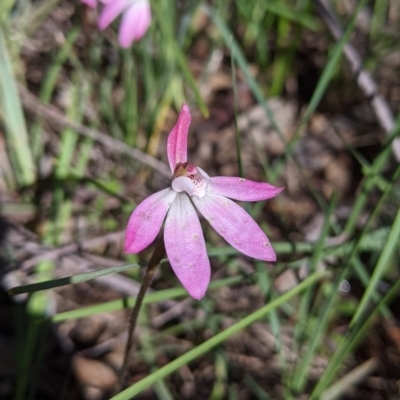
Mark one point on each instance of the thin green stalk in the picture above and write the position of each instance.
(363, 275)
(378, 22)
(255, 388)
(305, 302)
(348, 382)
(235, 100)
(153, 297)
(206, 346)
(371, 241)
(290, 13)
(326, 310)
(218, 391)
(180, 59)
(328, 305)
(7, 6)
(30, 337)
(129, 108)
(369, 182)
(387, 251)
(69, 280)
(47, 88)
(282, 58)
(240, 58)
(13, 116)
(333, 365)
(322, 86)
(149, 355)
(349, 342)
(331, 65)
(259, 95)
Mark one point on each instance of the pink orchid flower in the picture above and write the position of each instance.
(183, 236)
(135, 20)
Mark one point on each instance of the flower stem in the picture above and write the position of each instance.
(158, 255)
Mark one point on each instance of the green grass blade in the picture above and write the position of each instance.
(216, 340)
(181, 60)
(69, 280)
(378, 21)
(325, 313)
(322, 85)
(387, 251)
(340, 387)
(355, 331)
(235, 102)
(362, 274)
(69, 137)
(7, 5)
(129, 109)
(129, 302)
(221, 374)
(31, 335)
(375, 169)
(241, 61)
(53, 72)
(47, 88)
(16, 131)
(255, 388)
(349, 342)
(292, 14)
(371, 241)
(37, 15)
(301, 372)
(327, 308)
(283, 58)
(331, 65)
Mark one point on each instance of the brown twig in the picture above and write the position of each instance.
(72, 248)
(54, 116)
(158, 255)
(171, 313)
(364, 78)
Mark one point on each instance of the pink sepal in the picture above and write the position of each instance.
(135, 22)
(177, 139)
(146, 220)
(242, 189)
(111, 11)
(236, 226)
(185, 246)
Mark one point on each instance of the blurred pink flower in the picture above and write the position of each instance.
(183, 236)
(136, 18)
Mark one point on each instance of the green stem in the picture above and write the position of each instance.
(154, 262)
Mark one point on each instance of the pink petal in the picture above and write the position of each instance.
(135, 22)
(177, 139)
(111, 11)
(185, 246)
(243, 189)
(235, 226)
(146, 220)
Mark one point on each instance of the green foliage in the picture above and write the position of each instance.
(130, 94)
(13, 117)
